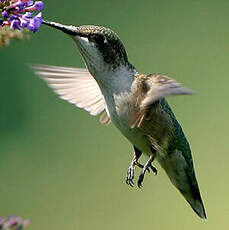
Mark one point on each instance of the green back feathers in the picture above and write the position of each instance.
(179, 140)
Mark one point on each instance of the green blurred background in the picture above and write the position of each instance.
(63, 170)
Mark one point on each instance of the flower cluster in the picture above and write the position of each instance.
(13, 223)
(21, 14)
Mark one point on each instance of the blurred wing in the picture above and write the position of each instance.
(76, 86)
(161, 86)
(156, 87)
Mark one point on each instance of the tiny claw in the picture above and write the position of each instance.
(140, 180)
(153, 169)
(131, 183)
(127, 181)
(130, 176)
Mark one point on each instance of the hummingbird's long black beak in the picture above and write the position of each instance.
(71, 30)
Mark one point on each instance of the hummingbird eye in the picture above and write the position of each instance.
(96, 38)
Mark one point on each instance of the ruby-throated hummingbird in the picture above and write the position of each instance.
(134, 102)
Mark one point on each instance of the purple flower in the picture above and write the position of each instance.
(27, 15)
(39, 6)
(20, 14)
(5, 14)
(13, 221)
(15, 24)
(1, 222)
(26, 223)
(35, 23)
(29, 3)
(23, 23)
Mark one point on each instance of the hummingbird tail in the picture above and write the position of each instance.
(198, 208)
(184, 179)
(193, 196)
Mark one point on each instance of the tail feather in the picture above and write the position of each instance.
(198, 208)
(192, 195)
(183, 178)
(195, 200)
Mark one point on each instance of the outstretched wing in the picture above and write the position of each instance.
(152, 88)
(76, 86)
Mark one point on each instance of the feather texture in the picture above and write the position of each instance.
(75, 85)
(150, 89)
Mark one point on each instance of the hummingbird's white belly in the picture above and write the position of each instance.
(117, 89)
(120, 110)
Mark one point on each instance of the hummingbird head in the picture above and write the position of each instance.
(100, 47)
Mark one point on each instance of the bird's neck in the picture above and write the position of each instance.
(116, 81)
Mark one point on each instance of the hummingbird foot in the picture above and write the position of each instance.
(130, 175)
(153, 169)
(152, 156)
(134, 162)
(130, 172)
(146, 168)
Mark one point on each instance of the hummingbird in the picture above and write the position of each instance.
(134, 102)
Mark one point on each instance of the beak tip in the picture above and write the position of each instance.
(71, 30)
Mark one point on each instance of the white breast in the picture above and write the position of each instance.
(119, 99)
